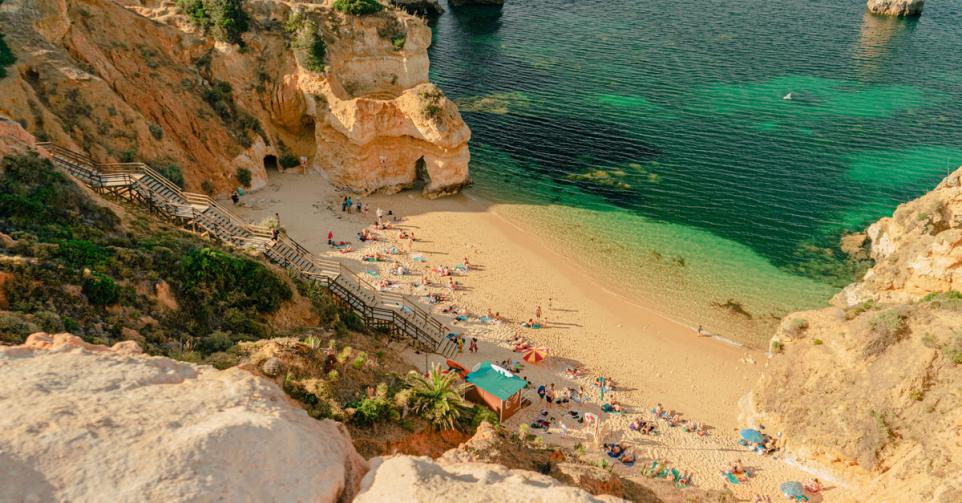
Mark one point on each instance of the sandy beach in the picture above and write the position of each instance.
(651, 357)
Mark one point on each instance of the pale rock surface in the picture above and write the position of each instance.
(89, 423)
(901, 8)
(916, 250)
(404, 479)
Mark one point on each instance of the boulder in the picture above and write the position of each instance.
(899, 8)
(83, 422)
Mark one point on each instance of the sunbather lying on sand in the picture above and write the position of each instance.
(531, 324)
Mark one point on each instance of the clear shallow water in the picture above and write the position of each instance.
(659, 132)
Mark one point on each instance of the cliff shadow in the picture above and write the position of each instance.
(477, 19)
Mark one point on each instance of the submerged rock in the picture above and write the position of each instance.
(901, 8)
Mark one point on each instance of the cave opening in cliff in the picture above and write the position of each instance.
(421, 176)
(270, 162)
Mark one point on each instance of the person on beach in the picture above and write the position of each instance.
(549, 395)
(379, 213)
(359, 205)
(473, 348)
(235, 197)
(542, 390)
(350, 205)
(277, 218)
(366, 209)
(344, 204)
(537, 313)
(330, 238)
(460, 344)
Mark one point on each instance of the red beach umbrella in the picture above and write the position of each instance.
(535, 355)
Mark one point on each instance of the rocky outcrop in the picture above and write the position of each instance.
(869, 388)
(134, 80)
(87, 423)
(420, 7)
(916, 250)
(407, 478)
(900, 8)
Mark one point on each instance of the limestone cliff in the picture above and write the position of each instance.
(870, 388)
(88, 423)
(901, 8)
(136, 80)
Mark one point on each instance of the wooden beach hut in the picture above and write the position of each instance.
(496, 388)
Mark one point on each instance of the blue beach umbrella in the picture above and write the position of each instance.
(753, 436)
(794, 490)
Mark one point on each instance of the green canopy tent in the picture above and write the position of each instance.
(497, 388)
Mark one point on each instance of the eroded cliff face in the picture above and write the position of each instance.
(916, 251)
(134, 80)
(900, 8)
(870, 388)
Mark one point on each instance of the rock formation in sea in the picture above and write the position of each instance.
(869, 388)
(139, 80)
(900, 8)
(83, 422)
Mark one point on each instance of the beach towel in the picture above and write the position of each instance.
(419, 258)
(732, 478)
(374, 274)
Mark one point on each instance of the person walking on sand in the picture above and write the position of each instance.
(330, 238)
(277, 218)
(473, 348)
(701, 330)
(549, 395)
(235, 197)
(348, 204)
(367, 208)
(359, 205)
(537, 313)
(379, 213)
(344, 204)
(461, 344)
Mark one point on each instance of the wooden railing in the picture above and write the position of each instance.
(402, 315)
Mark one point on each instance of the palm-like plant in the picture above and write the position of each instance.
(438, 397)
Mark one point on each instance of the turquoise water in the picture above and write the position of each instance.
(668, 118)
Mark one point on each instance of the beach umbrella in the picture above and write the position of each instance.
(535, 355)
(794, 490)
(753, 436)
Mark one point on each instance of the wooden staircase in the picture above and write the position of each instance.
(402, 316)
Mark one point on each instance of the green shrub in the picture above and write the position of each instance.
(818, 342)
(36, 198)
(129, 155)
(156, 131)
(370, 411)
(14, 328)
(887, 327)
(100, 290)
(360, 360)
(6, 57)
(483, 414)
(172, 172)
(358, 7)
(289, 160)
(398, 42)
(855, 311)
(224, 19)
(309, 47)
(797, 326)
(207, 186)
(80, 253)
(244, 177)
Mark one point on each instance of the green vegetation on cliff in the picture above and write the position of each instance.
(224, 19)
(309, 47)
(6, 57)
(358, 7)
(67, 263)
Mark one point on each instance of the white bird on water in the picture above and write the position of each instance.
(787, 96)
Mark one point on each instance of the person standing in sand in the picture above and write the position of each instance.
(330, 238)
(537, 313)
